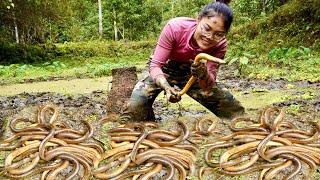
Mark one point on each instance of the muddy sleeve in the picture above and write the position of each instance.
(162, 52)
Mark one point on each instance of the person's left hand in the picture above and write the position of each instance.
(199, 70)
(173, 94)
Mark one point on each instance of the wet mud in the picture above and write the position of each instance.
(96, 105)
(99, 103)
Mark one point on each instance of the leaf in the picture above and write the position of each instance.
(248, 55)
(306, 50)
(23, 67)
(63, 65)
(232, 61)
(236, 72)
(46, 63)
(56, 63)
(244, 60)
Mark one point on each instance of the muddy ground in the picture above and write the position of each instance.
(93, 106)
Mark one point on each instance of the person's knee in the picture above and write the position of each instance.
(231, 111)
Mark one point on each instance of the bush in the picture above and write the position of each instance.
(29, 54)
(105, 48)
(20, 53)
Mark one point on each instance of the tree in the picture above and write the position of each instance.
(133, 19)
(100, 18)
(33, 18)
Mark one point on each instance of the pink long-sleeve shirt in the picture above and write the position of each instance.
(174, 44)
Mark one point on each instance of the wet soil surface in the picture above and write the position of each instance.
(94, 106)
(72, 108)
(123, 82)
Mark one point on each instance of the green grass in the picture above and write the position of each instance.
(300, 72)
(282, 45)
(73, 60)
(291, 68)
(292, 64)
(73, 67)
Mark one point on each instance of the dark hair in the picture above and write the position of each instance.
(224, 1)
(219, 7)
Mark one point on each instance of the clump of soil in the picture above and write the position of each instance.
(123, 81)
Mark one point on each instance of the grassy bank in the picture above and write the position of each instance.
(290, 63)
(282, 45)
(80, 60)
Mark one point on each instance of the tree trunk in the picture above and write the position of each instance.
(264, 6)
(16, 28)
(121, 33)
(172, 9)
(116, 38)
(100, 19)
(16, 32)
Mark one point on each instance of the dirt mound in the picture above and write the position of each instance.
(123, 81)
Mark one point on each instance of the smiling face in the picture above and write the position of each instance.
(209, 32)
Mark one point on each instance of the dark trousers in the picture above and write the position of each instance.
(218, 99)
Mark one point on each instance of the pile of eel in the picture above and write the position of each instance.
(143, 151)
(272, 147)
(49, 148)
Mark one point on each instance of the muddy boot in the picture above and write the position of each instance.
(139, 106)
(228, 109)
(137, 111)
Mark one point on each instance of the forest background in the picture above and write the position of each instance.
(45, 39)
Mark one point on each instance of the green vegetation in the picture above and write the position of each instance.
(103, 136)
(79, 60)
(294, 108)
(269, 39)
(291, 68)
(283, 44)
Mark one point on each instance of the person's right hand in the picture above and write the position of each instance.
(199, 70)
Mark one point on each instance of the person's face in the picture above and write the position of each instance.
(209, 32)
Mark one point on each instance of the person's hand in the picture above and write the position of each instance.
(172, 93)
(199, 70)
